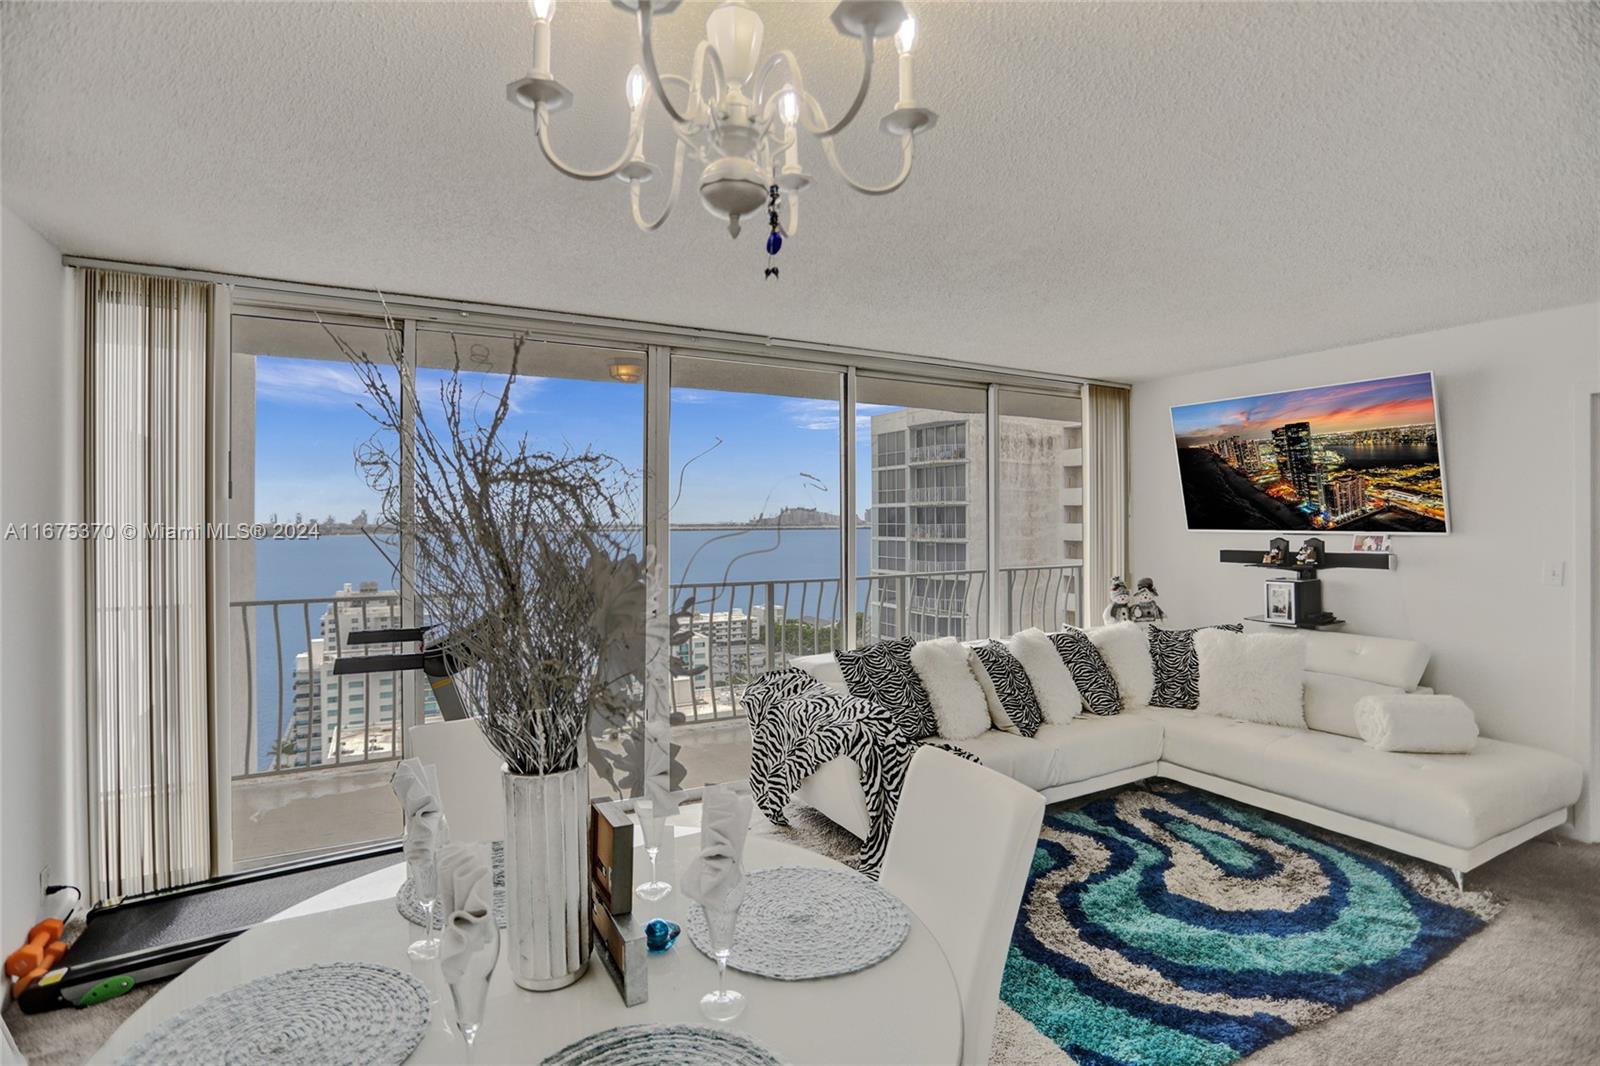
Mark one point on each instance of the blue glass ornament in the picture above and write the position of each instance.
(774, 242)
(660, 935)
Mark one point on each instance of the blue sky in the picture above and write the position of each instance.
(774, 451)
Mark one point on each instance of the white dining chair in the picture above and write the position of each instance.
(958, 856)
(469, 777)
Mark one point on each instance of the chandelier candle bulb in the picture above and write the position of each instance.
(542, 10)
(635, 90)
(904, 40)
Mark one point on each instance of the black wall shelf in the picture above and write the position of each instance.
(1330, 560)
(1326, 621)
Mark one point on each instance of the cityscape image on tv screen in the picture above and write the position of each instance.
(1362, 457)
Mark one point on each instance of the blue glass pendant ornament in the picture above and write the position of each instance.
(660, 935)
(775, 238)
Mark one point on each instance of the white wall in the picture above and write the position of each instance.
(1514, 401)
(41, 691)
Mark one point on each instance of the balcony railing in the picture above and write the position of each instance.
(306, 732)
(939, 453)
(783, 620)
(937, 494)
(939, 531)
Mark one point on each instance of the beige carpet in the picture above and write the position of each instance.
(1524, 991)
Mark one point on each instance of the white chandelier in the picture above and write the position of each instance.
(739, 114)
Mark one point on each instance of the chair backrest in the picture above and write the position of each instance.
(469, 777)
(958, 856)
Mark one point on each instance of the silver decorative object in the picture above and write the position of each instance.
(548, 896)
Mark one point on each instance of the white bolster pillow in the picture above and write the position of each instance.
(1408, 721)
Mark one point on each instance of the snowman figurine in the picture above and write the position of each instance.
(1144, 607)
(1120, 609)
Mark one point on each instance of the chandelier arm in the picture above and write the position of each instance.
(672, 194)
(793, 225)
(764, 96)
(647, 49)
(648, 52)
(906, 141)
(541, 123)
(855, 105)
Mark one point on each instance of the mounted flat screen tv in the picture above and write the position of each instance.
(1362, 457)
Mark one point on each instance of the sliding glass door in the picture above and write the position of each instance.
(1039, 510)
(567, 416)
(311, 751)
(921, 469)
(755, 544)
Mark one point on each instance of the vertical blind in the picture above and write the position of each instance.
(1106, 458)
(146, 347)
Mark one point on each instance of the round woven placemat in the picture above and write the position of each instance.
(405, 900)
(663, 1045)
(799, 922)
(339, 1013)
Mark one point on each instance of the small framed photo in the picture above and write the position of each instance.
(1371, 542)
(1280, 602)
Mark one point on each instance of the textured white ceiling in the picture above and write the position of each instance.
(1119, 190)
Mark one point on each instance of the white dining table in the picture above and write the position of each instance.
(905, 1009)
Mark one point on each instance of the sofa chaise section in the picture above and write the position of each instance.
(1455, 810)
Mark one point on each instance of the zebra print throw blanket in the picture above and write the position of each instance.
(797, 724)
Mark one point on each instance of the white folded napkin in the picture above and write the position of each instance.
(714, 877)
(471, 940)
(424, 820)
(1416, 722)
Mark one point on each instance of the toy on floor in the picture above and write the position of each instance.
(1120, 609)
(1144, 607)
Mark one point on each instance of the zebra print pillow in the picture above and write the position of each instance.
(1096, 684)
(1013, 705)
(1177, 667)
(882, 674)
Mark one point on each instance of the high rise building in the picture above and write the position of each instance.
(1345, 495)
(929, 513)
(1296, 460)
(338, 717)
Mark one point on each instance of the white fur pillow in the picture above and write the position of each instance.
(958, 702)
(1254, 677)
(1052, 681)
(1126, 649)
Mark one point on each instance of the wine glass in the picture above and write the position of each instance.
(425, 890)
(468, 993)
(425, 877)
(725, 1004)
(652, 825)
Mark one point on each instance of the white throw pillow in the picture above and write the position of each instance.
(1441, 725)
(1253, 677)
(958, 702)
(1331, 701)
(1126, 650)
(1052, 681)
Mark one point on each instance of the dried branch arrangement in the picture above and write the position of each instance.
(525, 561)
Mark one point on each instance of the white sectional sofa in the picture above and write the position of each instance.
(1455, 810)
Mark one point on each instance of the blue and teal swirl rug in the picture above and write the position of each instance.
(1172, 928)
